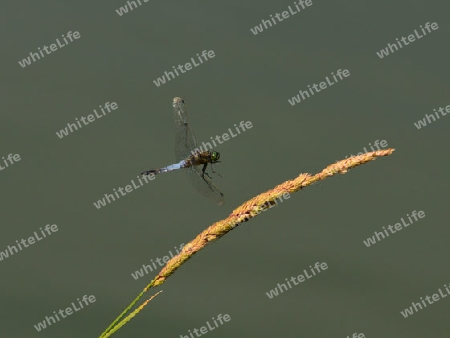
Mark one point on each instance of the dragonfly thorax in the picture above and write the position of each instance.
(202, 157)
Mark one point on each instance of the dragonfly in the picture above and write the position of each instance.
(190, 157)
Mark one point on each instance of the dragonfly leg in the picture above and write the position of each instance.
(204, 171)
(215, 172)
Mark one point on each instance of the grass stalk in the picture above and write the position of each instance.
(243, 213)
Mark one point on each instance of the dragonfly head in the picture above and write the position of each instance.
(215, 156)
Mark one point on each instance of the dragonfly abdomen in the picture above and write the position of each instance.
(179, 165)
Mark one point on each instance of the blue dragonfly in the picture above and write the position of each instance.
(189, 157)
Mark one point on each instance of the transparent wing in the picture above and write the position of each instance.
(185, 143)
(184, 139)
(204, 185)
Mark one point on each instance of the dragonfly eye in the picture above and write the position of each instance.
(215, 156)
